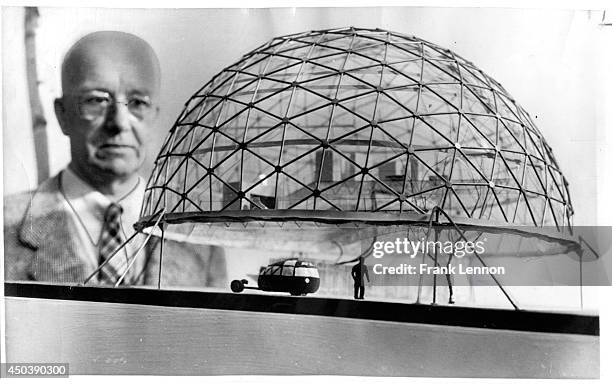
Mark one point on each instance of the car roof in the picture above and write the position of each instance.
(294, 262)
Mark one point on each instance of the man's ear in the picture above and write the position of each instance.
(60, 114)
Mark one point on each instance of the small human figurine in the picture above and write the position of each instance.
(358, 272)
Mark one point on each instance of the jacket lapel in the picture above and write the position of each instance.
(46, 229)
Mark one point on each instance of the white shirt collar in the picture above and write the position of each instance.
(90, 204)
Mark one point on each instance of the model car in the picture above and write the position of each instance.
(295, 276)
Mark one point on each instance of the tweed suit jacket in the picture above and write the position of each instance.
(38, 246)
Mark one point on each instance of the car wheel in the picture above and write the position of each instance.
(237, 286)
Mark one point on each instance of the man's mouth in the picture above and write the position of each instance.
(114, 149)
(114, 145)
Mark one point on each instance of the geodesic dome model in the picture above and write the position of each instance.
(355, 126)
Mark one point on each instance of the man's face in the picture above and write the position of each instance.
(107, 111)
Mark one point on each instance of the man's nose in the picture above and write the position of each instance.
(118, 117)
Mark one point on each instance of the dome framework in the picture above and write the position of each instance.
(356, 125)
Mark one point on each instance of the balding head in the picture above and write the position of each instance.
(103, 48)
(110, 86)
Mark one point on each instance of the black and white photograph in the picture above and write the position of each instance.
(329, 192)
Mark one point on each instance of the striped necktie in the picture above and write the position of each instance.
(110, 240)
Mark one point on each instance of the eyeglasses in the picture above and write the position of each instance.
(95, 105)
